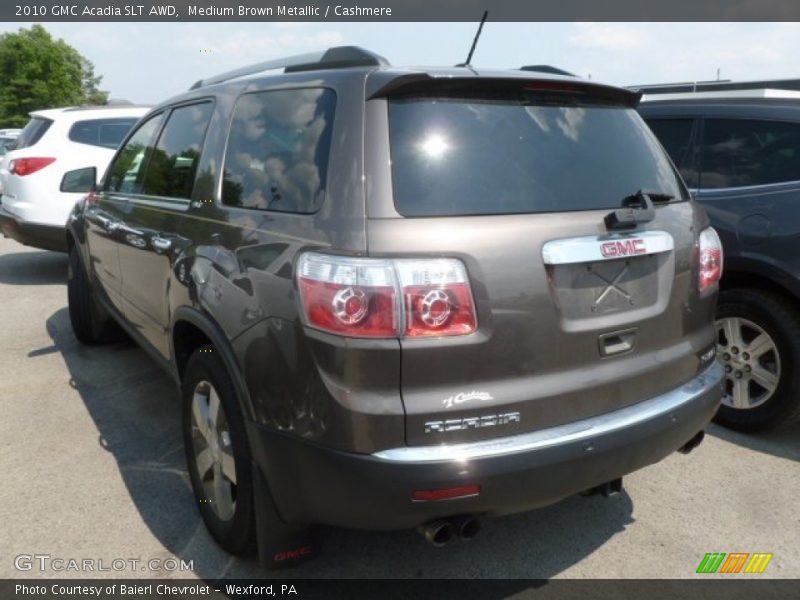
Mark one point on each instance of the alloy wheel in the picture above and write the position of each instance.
(213, 451)
(751, 360)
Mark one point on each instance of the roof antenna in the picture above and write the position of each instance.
(468, 62)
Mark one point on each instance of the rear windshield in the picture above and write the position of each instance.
(106, 133)
(32, 132)
(483, 157)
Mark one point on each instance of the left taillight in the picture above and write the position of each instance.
(374, 297)
(348, 296)
(29, 165)
(709, 258)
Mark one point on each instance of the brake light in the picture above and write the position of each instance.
(709, 258)
(26, 166)
(367, 297)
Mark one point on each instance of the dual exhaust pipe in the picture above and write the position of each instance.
(442, 531)
(692, 443)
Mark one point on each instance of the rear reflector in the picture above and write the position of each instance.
(368, 297)
(464, 491)
(709, 256)
(26, 166)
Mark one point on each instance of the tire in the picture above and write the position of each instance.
(774, 394)
(224, 488)
(90, 322)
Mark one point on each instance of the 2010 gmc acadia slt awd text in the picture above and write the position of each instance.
(403, 297)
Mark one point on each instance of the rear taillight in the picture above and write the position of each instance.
(365, 297)
(26, 166)
(709, 258)
(437, 297)
(349, 296)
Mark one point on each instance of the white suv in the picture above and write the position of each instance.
(33, 208)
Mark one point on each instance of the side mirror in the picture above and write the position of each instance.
(80, 180)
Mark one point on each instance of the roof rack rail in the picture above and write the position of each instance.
(547, 69)
(339, 57)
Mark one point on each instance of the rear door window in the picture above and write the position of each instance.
(172, 167)
(106, 133)
(483, 157)
(278, 148)
(676, 135)
(32, 132)
(749, 152)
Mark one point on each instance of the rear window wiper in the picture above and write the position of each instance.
(636, 208)
(656, 196)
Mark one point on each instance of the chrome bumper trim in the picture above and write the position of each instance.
(569, 433)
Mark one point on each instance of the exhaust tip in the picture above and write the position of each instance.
(692, 443)
(467, 527)
(438, 533)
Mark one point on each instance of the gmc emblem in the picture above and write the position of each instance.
(623, 248)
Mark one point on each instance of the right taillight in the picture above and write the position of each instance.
(709, 258)
(437, 297)
(372, 297)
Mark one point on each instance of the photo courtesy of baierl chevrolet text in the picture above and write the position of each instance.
(383, 299)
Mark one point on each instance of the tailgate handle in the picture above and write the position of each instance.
(617, 342)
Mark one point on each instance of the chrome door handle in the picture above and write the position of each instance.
(160, 244)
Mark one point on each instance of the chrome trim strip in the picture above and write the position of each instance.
(563, 434)
(589, 248)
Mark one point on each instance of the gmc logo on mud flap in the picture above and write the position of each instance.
(471, 422)
(292, 554)
(622, 248)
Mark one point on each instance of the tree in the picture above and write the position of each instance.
(37, 71)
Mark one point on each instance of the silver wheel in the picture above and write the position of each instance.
(211, 440)
(751, 360)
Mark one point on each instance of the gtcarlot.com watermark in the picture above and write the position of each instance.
(58, 564)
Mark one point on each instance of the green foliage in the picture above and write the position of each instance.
(37, 72)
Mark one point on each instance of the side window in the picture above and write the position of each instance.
(277, 153)
(106, 133)
(125, 174)
(745, 152)
(676, 137)
(172, 168)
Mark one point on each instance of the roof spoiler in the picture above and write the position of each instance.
(339, 57)
(423, 84)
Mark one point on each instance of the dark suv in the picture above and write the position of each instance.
(403, 297)
(742, 158)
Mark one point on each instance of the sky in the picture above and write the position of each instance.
(150, 62)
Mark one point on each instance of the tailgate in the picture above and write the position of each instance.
(574, 320)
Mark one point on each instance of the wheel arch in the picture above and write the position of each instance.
(737, 278)
(191, 329)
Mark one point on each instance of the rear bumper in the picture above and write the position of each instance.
(47, 237)
(312, 484)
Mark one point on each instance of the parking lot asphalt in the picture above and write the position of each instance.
(92, 467)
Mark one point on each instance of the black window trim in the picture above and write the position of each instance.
(229, 126)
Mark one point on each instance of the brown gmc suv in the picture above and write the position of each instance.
(403, 297)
